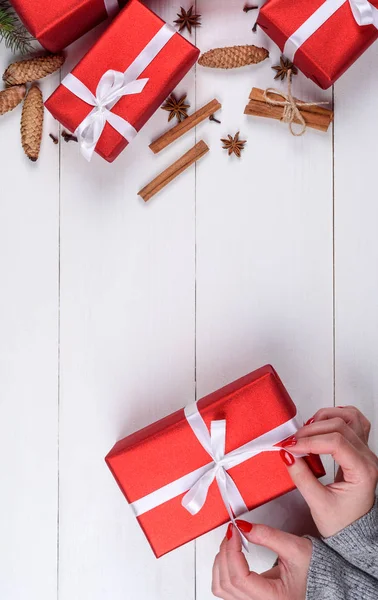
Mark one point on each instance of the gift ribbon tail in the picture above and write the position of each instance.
(89, 132)
(233, 501)
(195, 498)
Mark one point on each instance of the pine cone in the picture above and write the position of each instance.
(232, 57)
(32, 123)
(11, 98)
(27, 71)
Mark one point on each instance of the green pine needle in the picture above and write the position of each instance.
(12, 31)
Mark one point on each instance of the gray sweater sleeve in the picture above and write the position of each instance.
(345, 566)
(331, 577)
(358, 543)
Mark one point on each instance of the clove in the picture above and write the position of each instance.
(68, 137)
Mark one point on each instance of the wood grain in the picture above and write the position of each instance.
(174, 170)
(186, 125)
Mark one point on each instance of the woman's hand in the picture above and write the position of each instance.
(232, 579)
(342, 432)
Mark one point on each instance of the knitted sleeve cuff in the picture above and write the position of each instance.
(358, 543)
(330, 577)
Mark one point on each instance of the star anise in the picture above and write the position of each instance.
(187, 20)
(176, 108)
(283, 68)
(233, 145)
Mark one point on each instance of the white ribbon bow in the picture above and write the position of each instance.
(363, 12)
(111, 87)
(215, 443)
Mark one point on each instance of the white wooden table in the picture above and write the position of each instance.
(114, 313)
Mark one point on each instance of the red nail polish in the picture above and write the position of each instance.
(244, 525)
(310, 421)
(290, 442)
(229, 532)
(288, 459)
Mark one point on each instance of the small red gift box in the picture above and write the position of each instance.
(322, 37)
(136, 37)
(154, 466)
(58, 23)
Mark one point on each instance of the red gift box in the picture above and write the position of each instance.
(58, 23)
(168, 450)
(332, 48)
(116, 50)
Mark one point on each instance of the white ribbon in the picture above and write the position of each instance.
(197, 483)
(363, 12)
(112, 86)
(111, 7)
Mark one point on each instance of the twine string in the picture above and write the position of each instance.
(291, 106)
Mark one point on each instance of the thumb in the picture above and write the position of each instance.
(286, 545)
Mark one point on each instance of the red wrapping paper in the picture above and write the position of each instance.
(168, 449)
(331, 50)
(122, 42)
(58, 23)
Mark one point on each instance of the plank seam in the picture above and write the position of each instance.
(59, 332)
(333, 265)
(195, 276)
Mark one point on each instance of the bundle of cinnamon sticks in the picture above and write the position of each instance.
(315, 116)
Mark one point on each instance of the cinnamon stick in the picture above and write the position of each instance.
(316, 117)
(186, 125)
(157, 184)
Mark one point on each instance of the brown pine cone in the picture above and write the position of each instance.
(11, 98)
(27, 71)
(32, 123)
(233, 57)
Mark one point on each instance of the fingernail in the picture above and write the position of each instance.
(244, 525)
(290, 442)
(310, 421)
(288, 459)
(229, 531)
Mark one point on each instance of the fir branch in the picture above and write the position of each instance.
(12, 31)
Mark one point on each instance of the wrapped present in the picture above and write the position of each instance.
(122, 81)
(323, 38)
(58, 23)
(210, 462)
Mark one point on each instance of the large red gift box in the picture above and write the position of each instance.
(58, 23)
(124, 40)
(168, 450)
(334, 46)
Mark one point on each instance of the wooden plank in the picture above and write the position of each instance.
(356, 248)
(29, 261)
(264, 252)
(127, 354)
